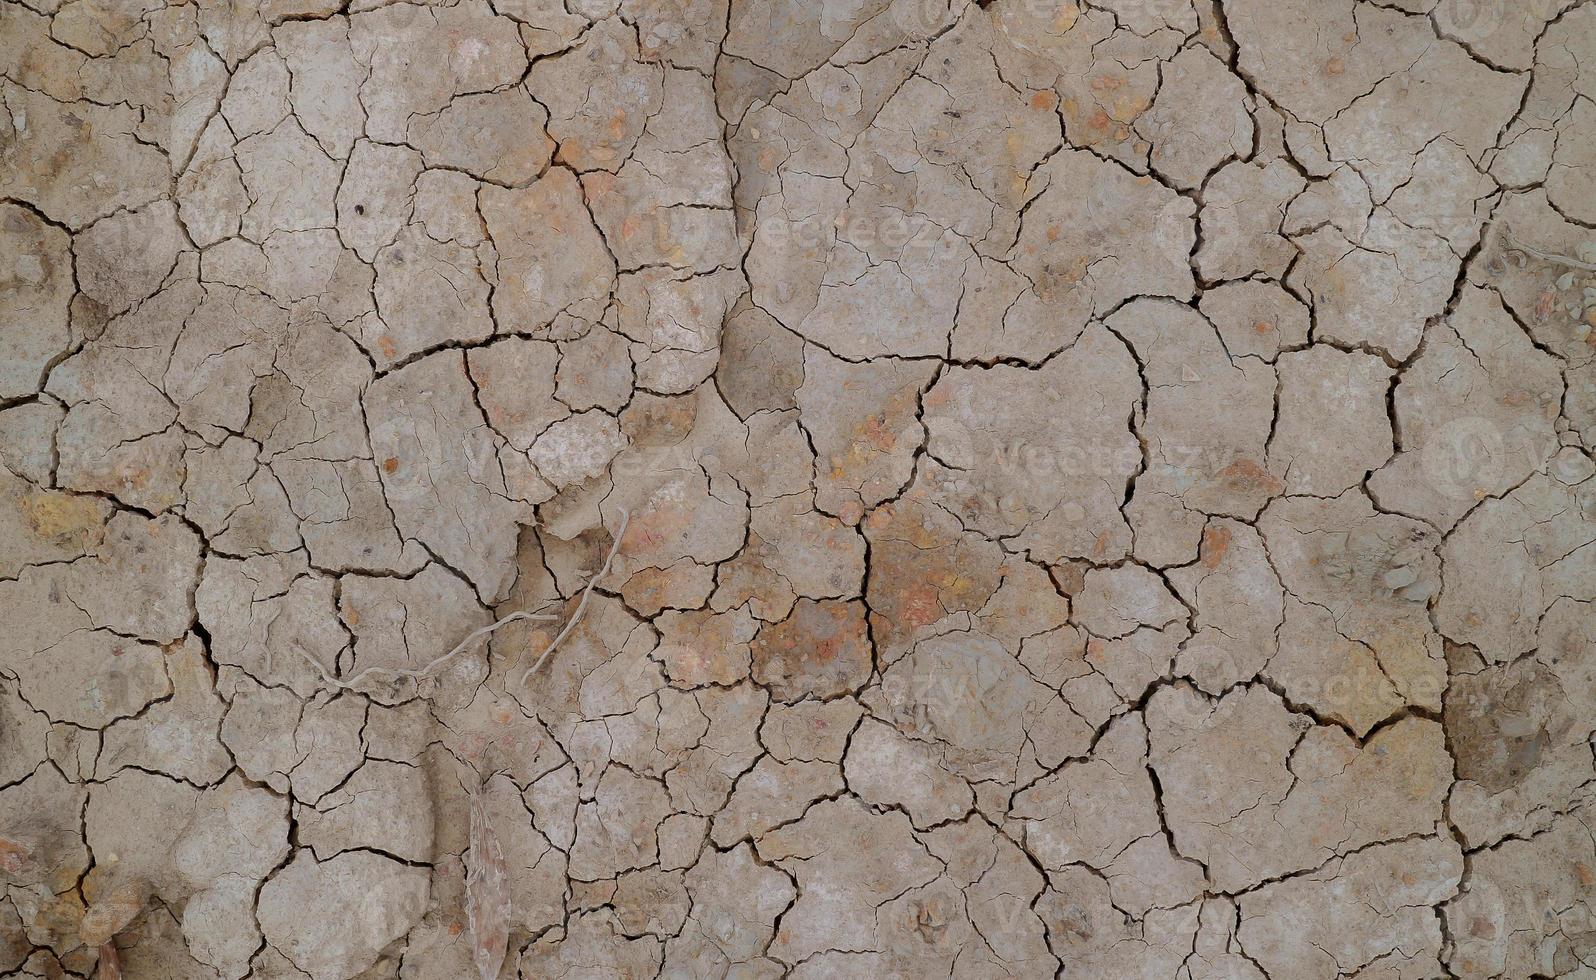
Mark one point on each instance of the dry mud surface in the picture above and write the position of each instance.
(1085, 488)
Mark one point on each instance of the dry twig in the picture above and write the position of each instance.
(587, 593)
(420, 673)
(1544, 256)
(417, 673)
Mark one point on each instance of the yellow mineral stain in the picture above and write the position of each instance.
(56, 515)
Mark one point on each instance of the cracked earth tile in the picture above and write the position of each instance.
(865, 427)
(44, 849)
(1196, 391)
(383, 806)
(24, 728)
(595, 371)
(240, 505)
(374, 196)
(973, 139)
(299, 911)
(577, 449)
(1215, 953)
(1522, 905)
(543, 275)
(38, 277)
(1256, 318)
(736, 902)
(703, 781)
(60, 157)
(1520, 735)
(821, 650)
(1369, 77)
(792, 38)
(487, 136)
(1087, 931)
(290, 180)
(1238, 608)
(676, 321)
(592, 943)
(1289, 807)
(514, 379)
(43, 526)
(1528, 142)
(793, 552)
(179, 737)
(991, 714)
(1339, 679)
(257, 95)
(1476, 412)
(222, 349)
(265, 614)
(1540, 538)
(809, 730)
(1091, 812)
(1378, 291)
(445, 207)
(438, 457)
(931, 570)
(122, 260)
(881, 860)
(651, 902)
(532, 838)
(27, 442)
(1199, 119)
(1332, 429)
(999, 885)
(210, 193)
(1103, 74)
(616, 831)
(428, 294)
(885, 768)
(702, 647)
(418, 58)
(407, 623)
(1115, 602)
(1243, 209)
(670, 202)
(292, 746)
(1050, 479)
(810, 276)
(325, 80)
(771, 794)
(1374, 574)
(1446, 195)
(1374, 919)
(599, 96)
(1087, 254)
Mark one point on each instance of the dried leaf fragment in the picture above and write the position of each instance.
(487, 892)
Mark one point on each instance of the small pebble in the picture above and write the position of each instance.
(1419, 592)
(1572, 466)
(1397, 578)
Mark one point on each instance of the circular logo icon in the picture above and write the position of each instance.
(1469, 21)
(1464, 458)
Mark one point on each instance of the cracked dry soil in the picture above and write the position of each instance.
(1096, 488)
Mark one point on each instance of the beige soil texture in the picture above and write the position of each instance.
(1005, 488)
